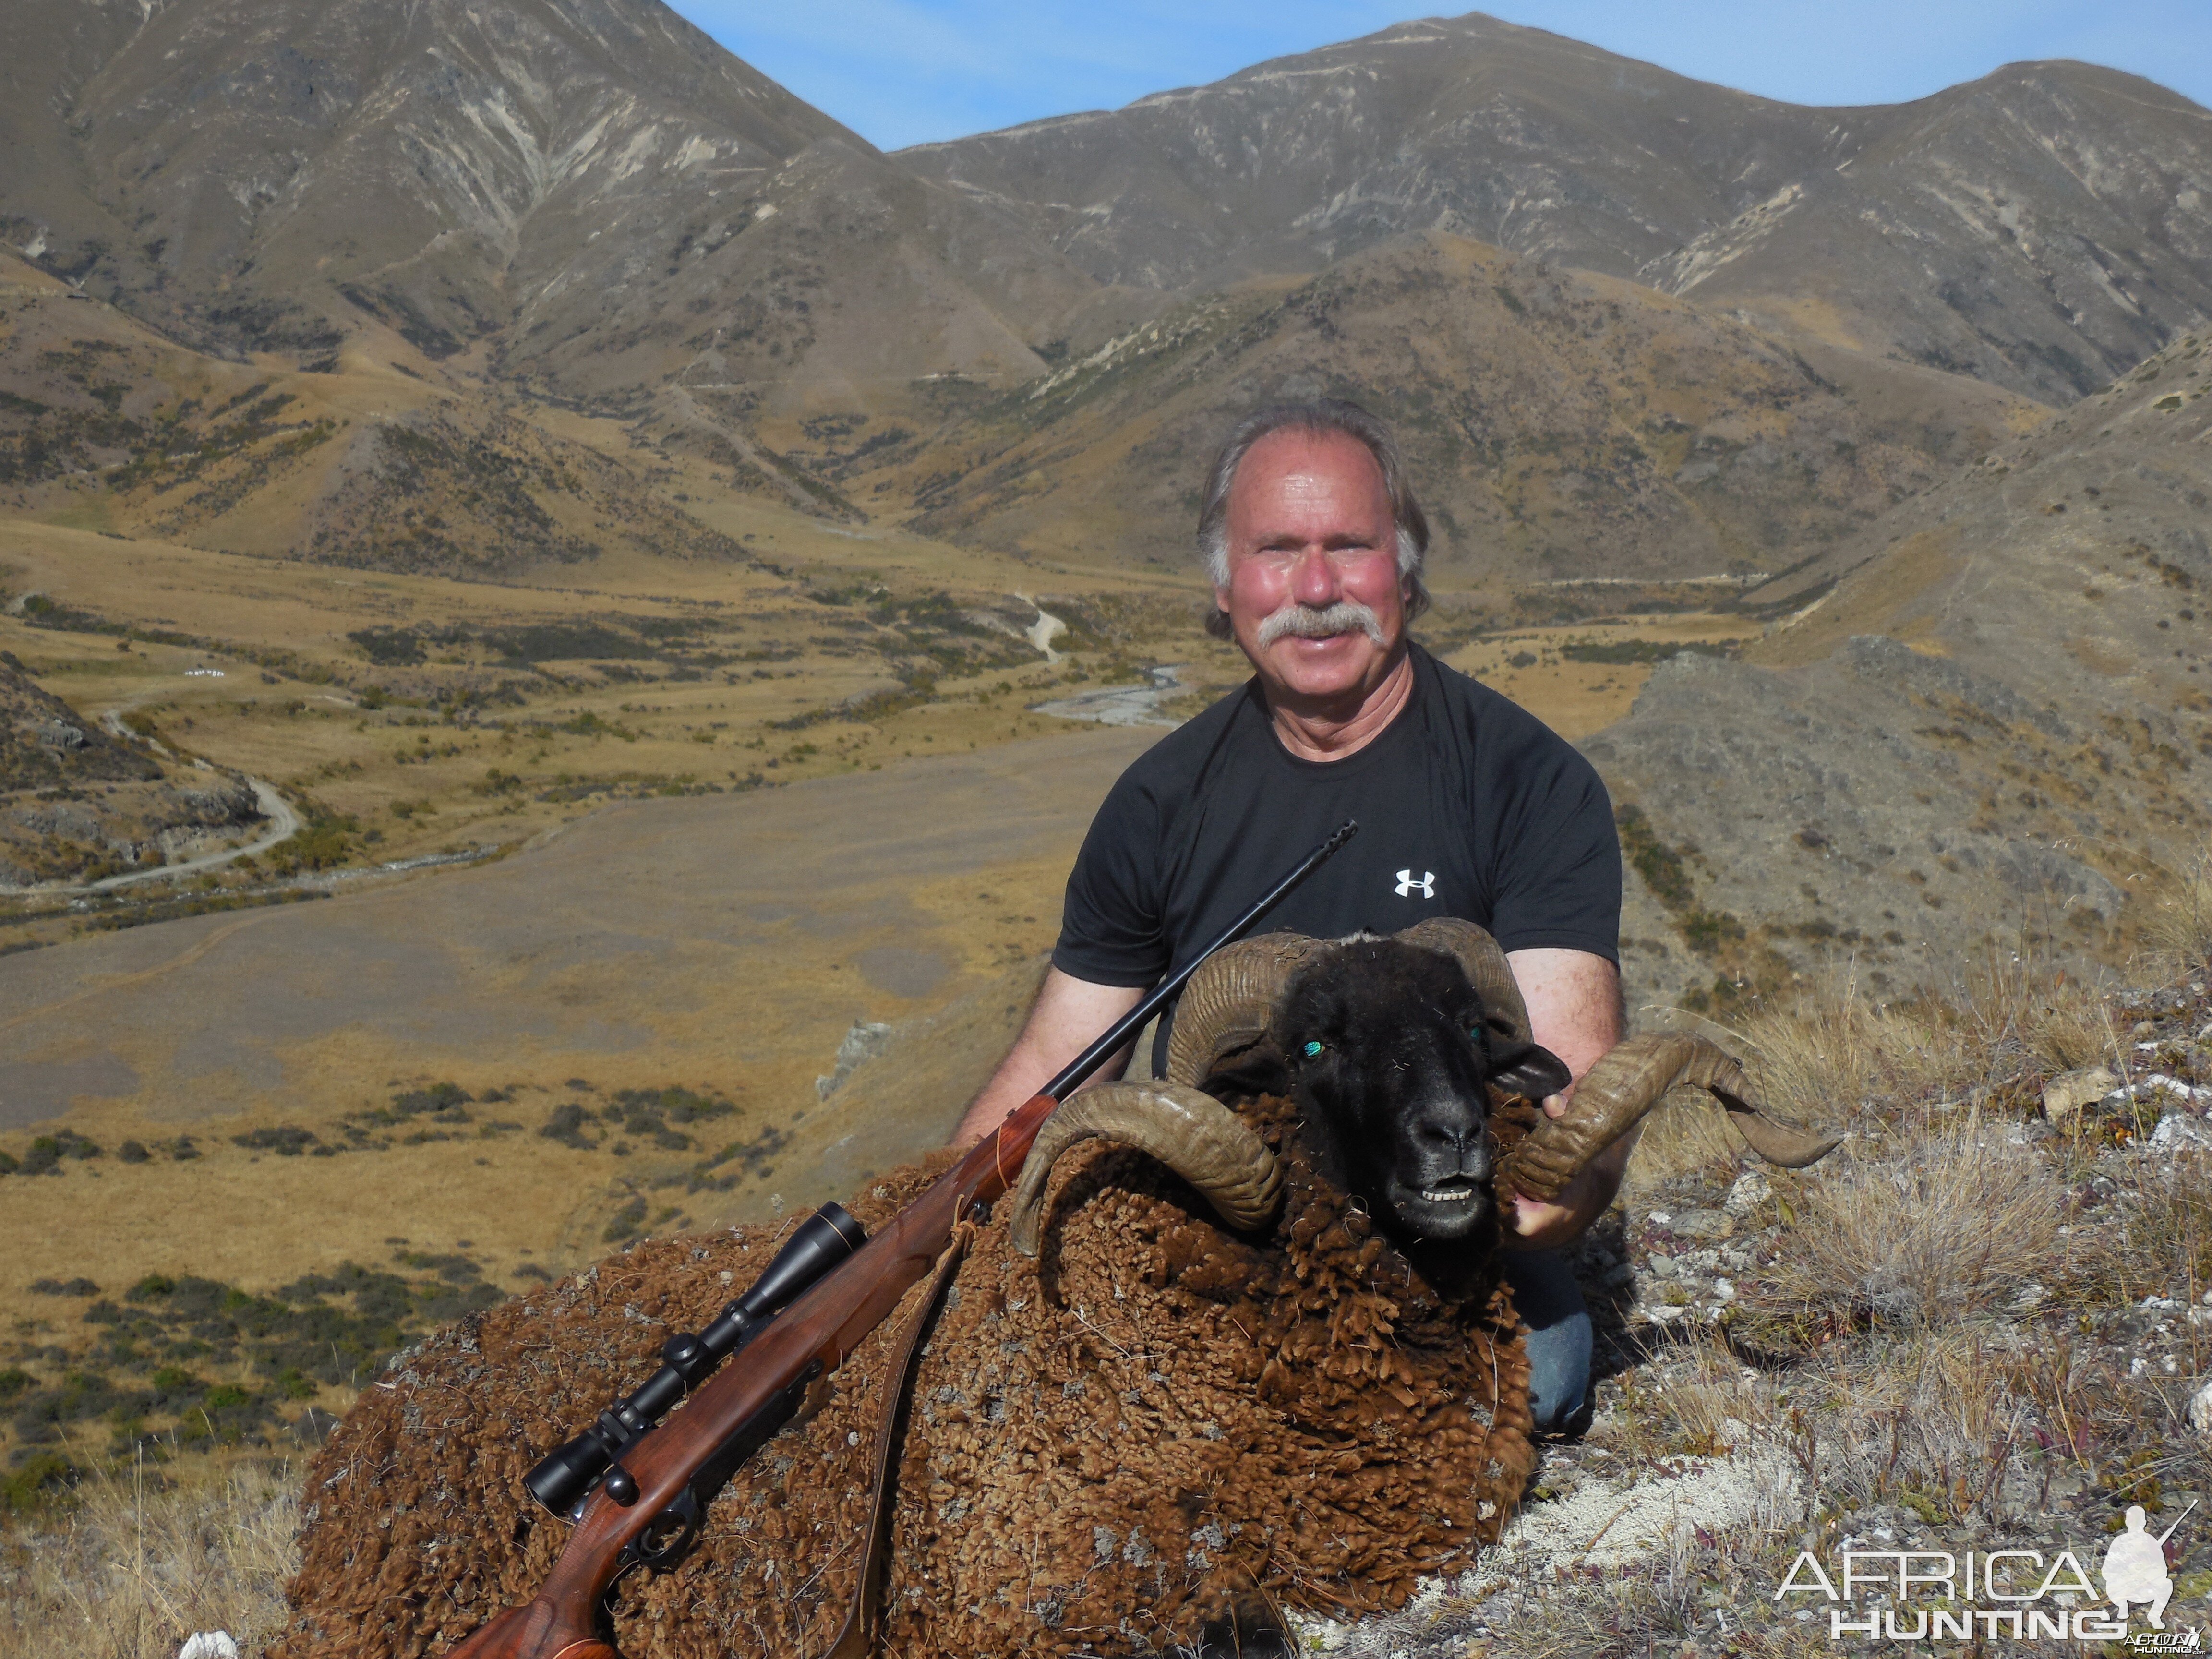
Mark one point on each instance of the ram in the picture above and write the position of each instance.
(1208, 1361)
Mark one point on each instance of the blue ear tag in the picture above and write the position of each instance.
(1312, 1050)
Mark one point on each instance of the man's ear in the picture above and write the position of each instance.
(1531, 1072)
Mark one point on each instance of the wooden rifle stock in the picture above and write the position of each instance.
(808, 1340)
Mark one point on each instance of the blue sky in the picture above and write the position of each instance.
(904, 71)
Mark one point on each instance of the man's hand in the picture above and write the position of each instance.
(1574, 1010)
(1068, 1015)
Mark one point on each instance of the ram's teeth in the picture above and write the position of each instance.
(1447, 1195)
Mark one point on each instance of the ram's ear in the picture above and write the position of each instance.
(1530, 1071)
(1244, 1073)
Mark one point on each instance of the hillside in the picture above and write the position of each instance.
(1560, 425)
(1979, 726)
(2042, 228)
(104, 422)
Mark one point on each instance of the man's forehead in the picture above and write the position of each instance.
(1293, 465)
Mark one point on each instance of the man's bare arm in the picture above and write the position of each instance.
(1574, 1010)
(1069, 1013)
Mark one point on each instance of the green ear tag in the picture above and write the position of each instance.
(1312, 1050)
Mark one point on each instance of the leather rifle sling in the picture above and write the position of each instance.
(857, 1640)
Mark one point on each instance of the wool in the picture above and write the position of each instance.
(1153, 1422)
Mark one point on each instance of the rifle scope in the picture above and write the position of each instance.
(564, 1479)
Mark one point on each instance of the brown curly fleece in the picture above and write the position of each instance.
(1154, 1420)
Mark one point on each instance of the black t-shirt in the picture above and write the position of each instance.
(1468, 807)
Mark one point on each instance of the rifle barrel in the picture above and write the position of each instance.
(1161, 994)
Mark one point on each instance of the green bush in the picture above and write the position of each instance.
(42, 1477)
(628, 1221)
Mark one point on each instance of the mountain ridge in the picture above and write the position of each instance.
(1546, 146)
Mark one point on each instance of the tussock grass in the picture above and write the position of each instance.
(1928, 1423)
(2178, 930)
(133, 1568)
(1931, 1223)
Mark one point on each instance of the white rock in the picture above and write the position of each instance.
(1751, 1190)
(209, 1645)
(2176, 1131)
(2064, 1095)
(2200, 1410)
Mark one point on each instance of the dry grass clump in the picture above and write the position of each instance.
(1940, 1219)
(129, 1571)
(2177, 930)
(1929, 1423)
(2162, 1243)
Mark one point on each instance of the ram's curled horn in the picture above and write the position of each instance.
(1229, 1000)
(1487, 970)
(1625, 1084)
(1193, 1133)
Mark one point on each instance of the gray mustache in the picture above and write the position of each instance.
(1307, 623)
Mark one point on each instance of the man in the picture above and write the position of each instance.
(1468, 807)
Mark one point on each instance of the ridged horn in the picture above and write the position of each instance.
(1487, 970)
(1625, 1084)
(1230, 999)
(1193, 1133)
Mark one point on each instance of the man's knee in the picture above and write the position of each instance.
(1559, 1342)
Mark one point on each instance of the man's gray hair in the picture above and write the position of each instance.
(1321, 417)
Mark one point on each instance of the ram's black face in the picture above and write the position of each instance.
(1390, 1053)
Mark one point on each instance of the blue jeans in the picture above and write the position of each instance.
(1559, 1338)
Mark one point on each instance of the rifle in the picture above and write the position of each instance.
(647, 1508)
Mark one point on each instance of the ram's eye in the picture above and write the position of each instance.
(1313, 1050)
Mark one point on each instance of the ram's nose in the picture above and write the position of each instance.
(1451, 1135)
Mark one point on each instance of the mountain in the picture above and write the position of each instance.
(2045, 227)
(1560, 425)
(588, 196)
(1978, 728)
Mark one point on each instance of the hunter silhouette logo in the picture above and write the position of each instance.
(1426, 886)
(2134, 1568)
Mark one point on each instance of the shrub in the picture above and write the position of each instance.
(566, 1125)
(41, 1477)
(286, 1141)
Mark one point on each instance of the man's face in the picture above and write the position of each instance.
(1314, 593)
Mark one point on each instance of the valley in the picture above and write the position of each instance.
(561, 619)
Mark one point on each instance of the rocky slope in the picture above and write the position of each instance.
(592, 184)
(1986, 730)
(77, 802)
(2044, 227)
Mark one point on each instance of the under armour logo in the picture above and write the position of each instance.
(1426, 886)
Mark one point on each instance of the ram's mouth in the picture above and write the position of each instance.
(1442, 1209)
